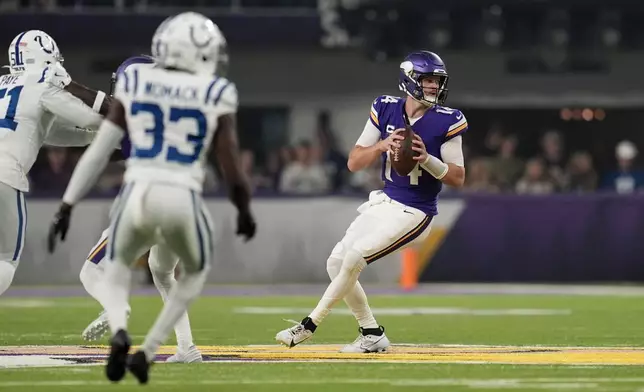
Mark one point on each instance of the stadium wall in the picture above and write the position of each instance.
(573, 238)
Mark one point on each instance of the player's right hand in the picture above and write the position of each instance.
(391, 141)
(246, 225)
(57, 76)
(60, 225)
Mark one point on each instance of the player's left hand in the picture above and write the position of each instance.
(419, 149)
(246, 225)
(60, 225)
(57, 76)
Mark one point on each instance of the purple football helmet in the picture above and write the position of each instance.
(142, 59)
(419, 65)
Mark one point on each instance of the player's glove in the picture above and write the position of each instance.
(246, 225)
(60, 225)
(57, 76)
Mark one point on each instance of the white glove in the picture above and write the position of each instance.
(57, 76)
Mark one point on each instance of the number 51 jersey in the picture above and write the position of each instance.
(419, 189)
(171, 117)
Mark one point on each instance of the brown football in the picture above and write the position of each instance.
(402, 159)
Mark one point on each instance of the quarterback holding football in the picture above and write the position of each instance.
(421, 140)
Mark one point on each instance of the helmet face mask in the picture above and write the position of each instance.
(422, 65)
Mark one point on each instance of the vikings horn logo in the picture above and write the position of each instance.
(407, 67)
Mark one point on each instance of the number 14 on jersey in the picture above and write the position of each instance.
(414, 175)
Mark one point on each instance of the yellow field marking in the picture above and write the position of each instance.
(398, 353)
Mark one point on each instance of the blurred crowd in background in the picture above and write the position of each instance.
(318, 166)
(563, 51)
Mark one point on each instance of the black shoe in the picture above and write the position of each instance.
(120, 345)
(138, 365)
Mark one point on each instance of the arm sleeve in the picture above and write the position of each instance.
(68, 107)
(65, 134)
(452, 151)
(370, 135)
(93, 162)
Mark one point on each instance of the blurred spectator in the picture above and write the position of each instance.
(493, 140)
(112, 178)
(305, 174)
(553, 158)
(368, 179)
(334, 160)
(581, 174)
(257, 180)
(53, 177)
(506, 168)
(625, 179)
(478, 177)
(535, 180)
(269, 175)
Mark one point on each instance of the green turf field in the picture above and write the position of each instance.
(443, 343)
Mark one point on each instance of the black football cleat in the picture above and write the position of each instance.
(116, 362)
(138, 365)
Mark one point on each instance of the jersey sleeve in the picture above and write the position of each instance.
(222, 94)
(458, 125)
(66, 106)
(376, 109)
(228, 101)
(126, 83)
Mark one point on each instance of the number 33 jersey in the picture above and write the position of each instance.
(419, 189)
(171, 117)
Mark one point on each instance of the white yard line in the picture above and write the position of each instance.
(412, 311)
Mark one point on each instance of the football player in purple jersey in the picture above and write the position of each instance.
(400, 214)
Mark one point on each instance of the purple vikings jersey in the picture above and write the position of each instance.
(419, 189)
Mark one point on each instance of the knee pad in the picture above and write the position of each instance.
(7, 270)
(333, 265)
(353, 262)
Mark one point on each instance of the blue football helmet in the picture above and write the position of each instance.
(419, 65)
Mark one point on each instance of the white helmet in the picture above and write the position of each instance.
(189, 41)
(33, 49)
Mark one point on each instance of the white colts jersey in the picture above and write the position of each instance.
(171, 118)
(28, 108)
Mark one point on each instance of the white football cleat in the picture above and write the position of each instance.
(192, 355)
(295, 335)
(98, 328)
(368, 343)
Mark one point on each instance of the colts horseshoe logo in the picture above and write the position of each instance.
(197, 43)
(46, 50)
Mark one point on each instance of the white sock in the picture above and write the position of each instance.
(164, 281)
(7, 270)
(116, 282)
(179, 299)
(356, 299)
(352, 265)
